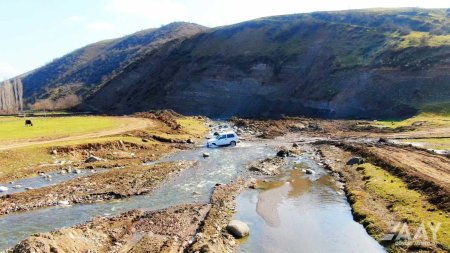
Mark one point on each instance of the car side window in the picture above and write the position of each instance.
(222, 137)
(230, 136)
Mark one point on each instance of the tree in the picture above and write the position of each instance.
(67, 102)
(43, 105)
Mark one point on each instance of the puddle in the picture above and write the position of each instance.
(301, 213)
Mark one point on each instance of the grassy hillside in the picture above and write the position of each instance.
(378, 63)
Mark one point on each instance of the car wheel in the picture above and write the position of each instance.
(233, 143)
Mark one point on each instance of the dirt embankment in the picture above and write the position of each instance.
(425, 172)
(185, 228)
(213, 236)
(382, 194)
(114, 184)
(167, 230)
(333, 129)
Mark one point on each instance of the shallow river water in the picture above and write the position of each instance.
(297, 213)
(191, 186)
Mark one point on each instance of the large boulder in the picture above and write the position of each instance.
(238, 229)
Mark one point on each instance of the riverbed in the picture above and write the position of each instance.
(292, 212)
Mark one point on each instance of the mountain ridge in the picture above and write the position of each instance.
(369, 64)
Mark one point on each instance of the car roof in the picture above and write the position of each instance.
(227, 132)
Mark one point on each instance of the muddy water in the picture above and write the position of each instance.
(296, 212)
(192, 185)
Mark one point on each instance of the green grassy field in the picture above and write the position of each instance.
(12, 128)
(24, 162)
(431, 115)
(424, 119)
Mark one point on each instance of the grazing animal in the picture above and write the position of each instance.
(28, 123)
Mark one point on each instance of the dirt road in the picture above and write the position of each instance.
(126, 124)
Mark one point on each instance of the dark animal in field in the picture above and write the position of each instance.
(28, 123)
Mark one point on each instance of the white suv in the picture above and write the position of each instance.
(223, 139)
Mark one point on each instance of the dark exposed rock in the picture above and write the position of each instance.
(355, 160)
(283, 152)
(92, 159)
(382, 140)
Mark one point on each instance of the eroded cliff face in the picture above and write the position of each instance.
(11, 95)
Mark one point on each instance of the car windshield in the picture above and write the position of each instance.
(222, 137)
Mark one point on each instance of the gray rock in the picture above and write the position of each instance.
(77, 171)
(238, 229)
(382, 140)
(3, 189)
(63, 203)
(190, 141)
(205, 154)
(355, 160)
(92, 159)
(283, 153)
(18, 186)
(309, 171)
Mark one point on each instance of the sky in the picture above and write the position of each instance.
(34, 32)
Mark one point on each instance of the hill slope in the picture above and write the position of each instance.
(364, 64)
(85, 69)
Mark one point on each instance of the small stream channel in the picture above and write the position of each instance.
(297, 212)
(40, 181)
(191, 186)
